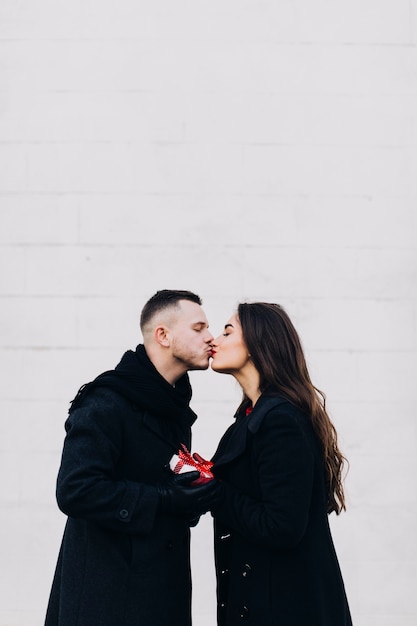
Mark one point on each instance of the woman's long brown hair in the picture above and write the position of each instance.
(277, 354)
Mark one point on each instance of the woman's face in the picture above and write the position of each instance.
(229, 353)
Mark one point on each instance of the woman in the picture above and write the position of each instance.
(281, 469)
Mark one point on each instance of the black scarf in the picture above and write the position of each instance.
(136, 379)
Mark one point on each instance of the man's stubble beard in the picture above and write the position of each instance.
(190, 363)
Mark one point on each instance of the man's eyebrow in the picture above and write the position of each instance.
(200, 324)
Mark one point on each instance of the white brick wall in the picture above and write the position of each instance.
(240, 149)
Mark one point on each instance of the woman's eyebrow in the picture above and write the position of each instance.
(228, 325)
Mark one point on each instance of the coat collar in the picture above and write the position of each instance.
(137, 380)
(235, 443)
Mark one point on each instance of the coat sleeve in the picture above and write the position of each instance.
(87, 486)
(283, 460)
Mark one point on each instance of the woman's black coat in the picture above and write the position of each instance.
(122, 563)
(275, 560)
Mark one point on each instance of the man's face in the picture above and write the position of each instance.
(190, 338)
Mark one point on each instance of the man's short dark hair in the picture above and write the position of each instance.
(164, 299)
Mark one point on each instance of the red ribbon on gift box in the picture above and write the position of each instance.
(194, 461)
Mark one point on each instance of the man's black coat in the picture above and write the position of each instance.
(121, 562)
(275, 560)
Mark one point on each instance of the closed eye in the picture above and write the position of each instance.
(199, 327)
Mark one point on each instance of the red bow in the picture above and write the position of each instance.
(184, 461)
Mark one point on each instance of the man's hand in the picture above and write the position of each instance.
(179, 496)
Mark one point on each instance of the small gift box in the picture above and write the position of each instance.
(184, 461)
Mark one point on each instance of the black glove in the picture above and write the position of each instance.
(178, 496)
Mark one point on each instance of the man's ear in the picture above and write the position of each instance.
(161, 336)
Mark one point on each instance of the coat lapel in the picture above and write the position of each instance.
(237, 435)
(155, 426)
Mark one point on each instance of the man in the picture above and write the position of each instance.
(124, 559)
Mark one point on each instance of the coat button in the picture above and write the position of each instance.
(225, 537)
(247, 570)
(244, 613)
(124, 514)
(224, 572)
(222, 605)
(170, 545)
